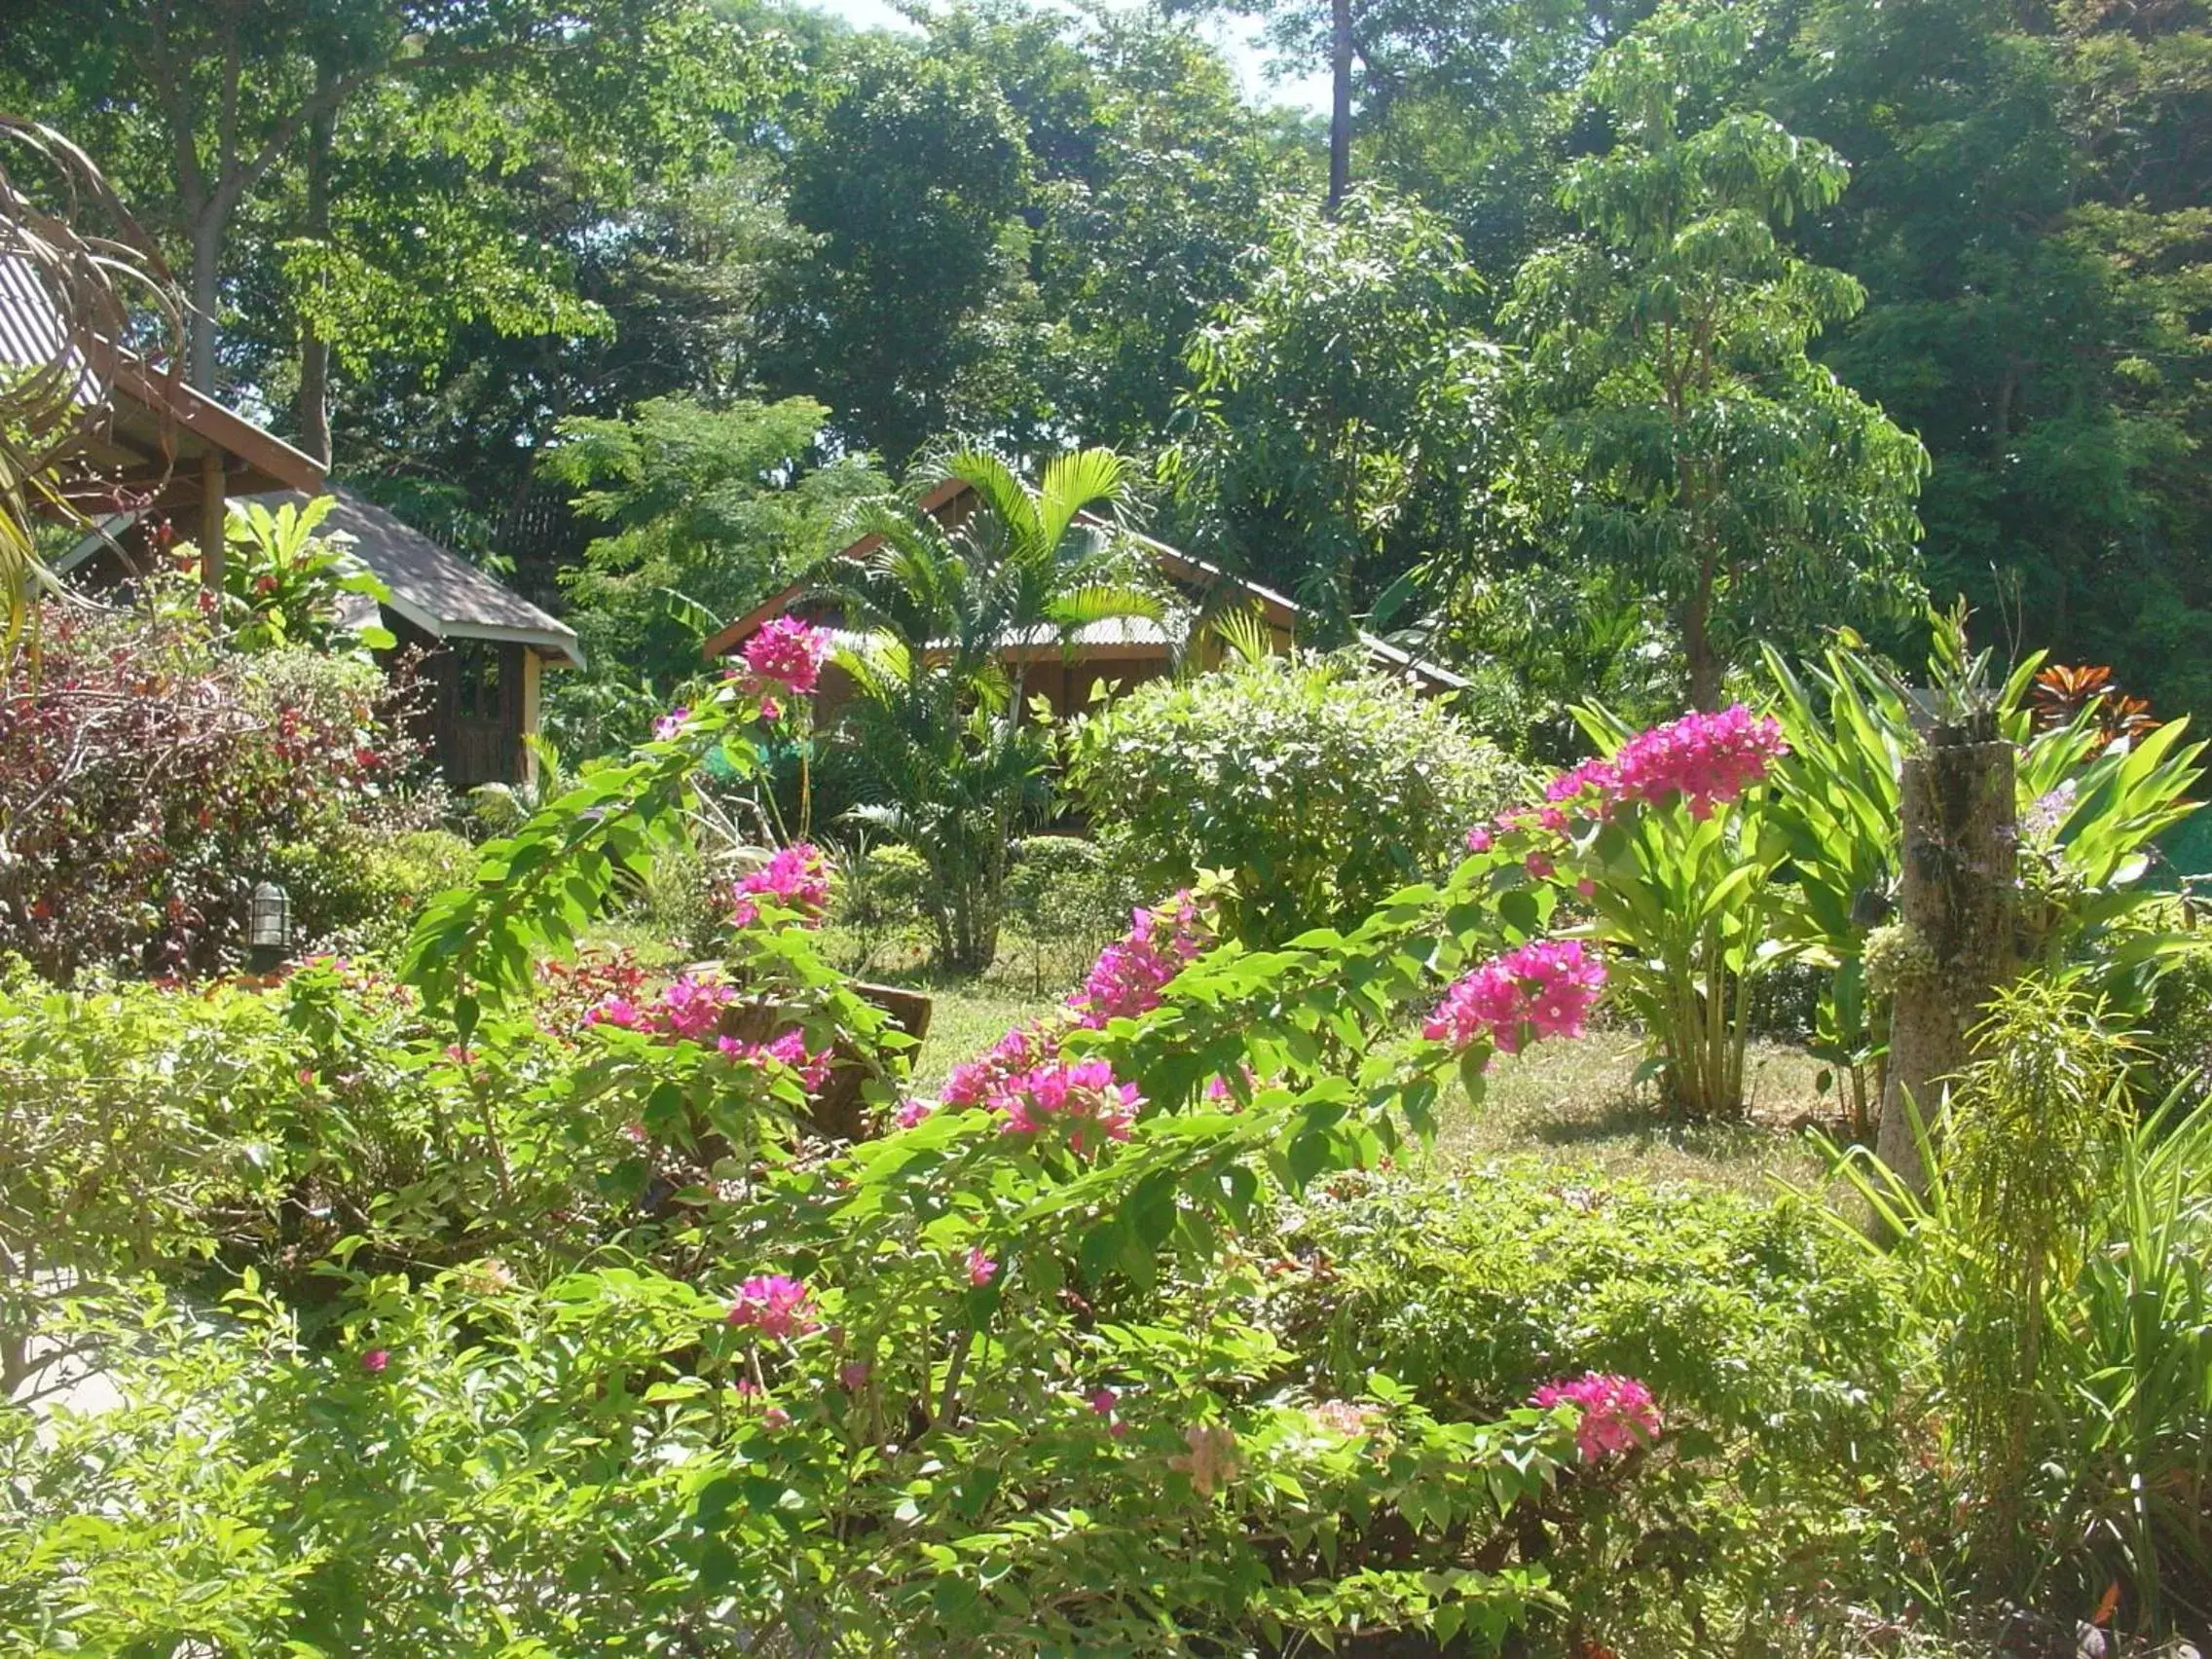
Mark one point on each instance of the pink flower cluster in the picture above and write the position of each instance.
(982, 1081)
(1704, 760)
(775, 1305)
(1126, 979)
(789, 652)
(789, 1049)
(1079, 1098)
(1545, 988)
(688, 1010)
(796, 880)
(670, 724)
(1617, 1412)
(1707, 760)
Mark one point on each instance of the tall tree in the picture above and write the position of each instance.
(2032, 219)
(216, 98)
(912, 314)
(1346, 412)
(1685, 439)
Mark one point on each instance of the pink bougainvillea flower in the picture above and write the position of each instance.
(375, 1360)
(983, 1081)
(789, 652)
(1538, 866)
(775, 1416)
(1545, 988)
(981, 1269)
(852, 1376)
(1125, 980)
(1619, 1414)
(775, 1305)
(1478, 839)
(1103, 1400)
(672, 722)
(771, 709)
(615, 1011)
(789, 1049)
(1587, 888)
(796, 880)
(911, 1113)
(1080, 1099)
(691, 1009)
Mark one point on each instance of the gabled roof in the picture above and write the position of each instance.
(155, 423)
(1193, 574)
(443, 595)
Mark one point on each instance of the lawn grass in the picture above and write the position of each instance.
(1575, 1104)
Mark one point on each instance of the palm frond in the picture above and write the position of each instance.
(1074, 483)
(1000, 490)
(1245, 633)
(81, 279)
(1103, 602)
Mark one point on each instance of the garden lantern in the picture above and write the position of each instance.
(268, 927)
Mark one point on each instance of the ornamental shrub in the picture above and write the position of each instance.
(146, 771)
(1321, 786)
(1770, 1341)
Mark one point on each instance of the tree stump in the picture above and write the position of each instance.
(1958, 891)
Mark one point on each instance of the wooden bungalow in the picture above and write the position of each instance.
(153, 450)
(1113, 655)
(482, 647)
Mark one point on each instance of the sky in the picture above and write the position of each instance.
(1232, 33)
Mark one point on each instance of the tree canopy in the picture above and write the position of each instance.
(1639, 336)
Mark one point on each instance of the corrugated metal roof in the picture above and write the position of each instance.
(443, 595)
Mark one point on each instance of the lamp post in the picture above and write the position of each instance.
(268, 927)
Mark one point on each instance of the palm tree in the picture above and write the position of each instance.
(938, 716)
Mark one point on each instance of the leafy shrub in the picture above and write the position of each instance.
(145, 770)
(1321, 786)
(1770, 1342)
(1067, 897)
(361, 887)
(2055, 1260)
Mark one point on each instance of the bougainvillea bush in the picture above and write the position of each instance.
(147, 772)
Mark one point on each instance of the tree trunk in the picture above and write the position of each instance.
(1958, 897)
(206, 293)
(1340, 101)
(1697, 647)
(314, 409)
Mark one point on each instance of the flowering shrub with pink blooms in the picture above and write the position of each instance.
(1079, 1100)
(1545, 988)
(1126, 979)
(788, 652)
(775, 1305)
(982, 1081)
(1616, 1412)
(795, 881)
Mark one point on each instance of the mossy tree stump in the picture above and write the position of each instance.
(1959, 893)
